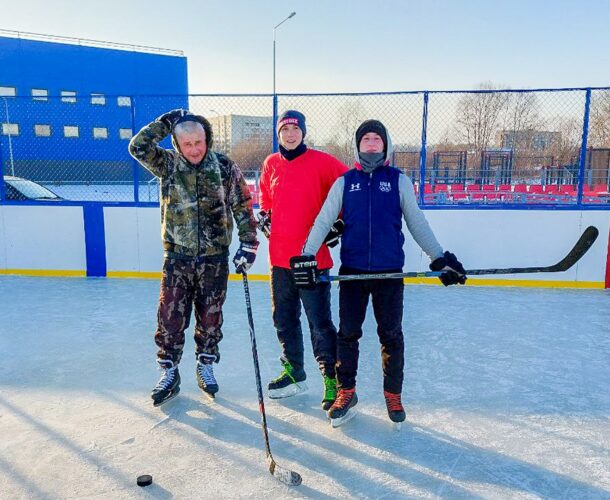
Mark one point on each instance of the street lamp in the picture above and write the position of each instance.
(274, 96)
(274, 28)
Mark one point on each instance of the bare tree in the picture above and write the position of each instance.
(479, 114)
(521, 118)
(349, 116)
(568, 144)
(249, 155)
(599, 123)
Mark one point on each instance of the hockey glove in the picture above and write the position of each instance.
(304, 270)
(170, 118)
(244, 257)
(333, 236)
(263, 222)
(453, 271)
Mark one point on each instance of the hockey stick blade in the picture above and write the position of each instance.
(288, 477)
(581, 247)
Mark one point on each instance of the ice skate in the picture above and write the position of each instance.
(168, 386)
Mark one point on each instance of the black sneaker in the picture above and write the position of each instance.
(342, 409)
(289, 383)
(205, 374)
(168, 386)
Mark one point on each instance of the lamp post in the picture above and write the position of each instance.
(292, 14)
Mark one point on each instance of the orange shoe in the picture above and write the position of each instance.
(341, 410)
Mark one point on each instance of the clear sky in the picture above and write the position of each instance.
(348, 45)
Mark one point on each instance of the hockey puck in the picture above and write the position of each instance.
(144, 480)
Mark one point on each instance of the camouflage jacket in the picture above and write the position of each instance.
(196, 201)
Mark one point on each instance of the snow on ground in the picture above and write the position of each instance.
(506, 390)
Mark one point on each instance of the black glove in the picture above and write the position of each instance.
(263, 222)
(244, 257)
(333, 236)
(453, 271)
(304, 270)
(170, 118)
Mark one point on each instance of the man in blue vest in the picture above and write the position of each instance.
(374, 198)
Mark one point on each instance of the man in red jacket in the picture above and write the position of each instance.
(293, 186)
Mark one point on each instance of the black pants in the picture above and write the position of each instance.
(387, 297)
(286, 301)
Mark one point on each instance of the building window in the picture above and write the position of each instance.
(68, 96)
(8, 91)
(40, 94)
(42, 130)
(10, 129)
(125, 133)
(100, 133)
(70, 131)
(99, 99)
(123, 101)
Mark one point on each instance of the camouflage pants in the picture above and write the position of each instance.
(200, 282)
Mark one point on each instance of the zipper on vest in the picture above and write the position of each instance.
(198, 217)
(370, 222)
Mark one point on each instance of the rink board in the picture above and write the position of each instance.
(124, 241)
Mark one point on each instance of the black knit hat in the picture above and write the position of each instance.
(372, 126)
(292, 117)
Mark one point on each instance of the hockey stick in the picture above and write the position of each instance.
(286, 476)
(581, 247)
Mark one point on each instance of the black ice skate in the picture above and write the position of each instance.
(168, 386)
(289, 383)
(205, 374)
(342, 409)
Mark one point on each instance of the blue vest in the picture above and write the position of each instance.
(372, 239)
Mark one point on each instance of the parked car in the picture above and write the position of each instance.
(20, 189)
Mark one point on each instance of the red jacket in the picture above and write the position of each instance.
(295, 191)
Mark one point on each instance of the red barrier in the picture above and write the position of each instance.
(608, 263)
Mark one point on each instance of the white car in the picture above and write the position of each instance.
(20, 189)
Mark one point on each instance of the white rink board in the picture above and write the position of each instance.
(49, 238)
(480, 239)
(42, 238)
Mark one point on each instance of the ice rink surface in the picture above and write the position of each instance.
(507, 393)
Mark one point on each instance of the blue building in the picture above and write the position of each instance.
(68, 107)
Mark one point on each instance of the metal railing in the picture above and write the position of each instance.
(482, 148)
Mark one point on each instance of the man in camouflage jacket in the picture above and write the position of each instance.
(201, 192)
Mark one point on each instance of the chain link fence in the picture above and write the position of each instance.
(476, 148)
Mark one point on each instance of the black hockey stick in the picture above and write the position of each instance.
(286, 476)
(581, 247)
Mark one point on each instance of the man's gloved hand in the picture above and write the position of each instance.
(244, 257)
(453, 271)
(170, 118)
(304, 270)
(263, 222)
(333, 236)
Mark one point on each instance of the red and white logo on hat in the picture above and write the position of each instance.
(288, 121)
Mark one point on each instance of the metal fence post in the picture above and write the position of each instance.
(275, 146)
(2, 186)
(135, 167)
(422, 154)
(583, 148)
